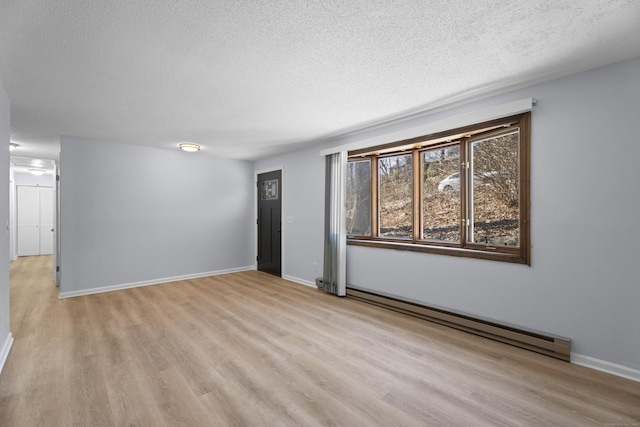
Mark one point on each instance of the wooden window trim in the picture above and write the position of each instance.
(519, 255)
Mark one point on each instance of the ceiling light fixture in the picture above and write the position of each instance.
(36, 172)
(191, 148)
(13, 146)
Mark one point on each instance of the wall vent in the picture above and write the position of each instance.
(539, 342)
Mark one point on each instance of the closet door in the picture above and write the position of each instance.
(35, 220)
(28, 221)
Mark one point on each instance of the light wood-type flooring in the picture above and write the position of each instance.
(249, 349)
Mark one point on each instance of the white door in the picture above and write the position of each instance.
(35, 220)
(46, 220)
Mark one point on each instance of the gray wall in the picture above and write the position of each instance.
(583, 282)
(4, 216)
(303, 201)
(136, 214)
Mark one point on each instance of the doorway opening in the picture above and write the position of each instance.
(34, 209)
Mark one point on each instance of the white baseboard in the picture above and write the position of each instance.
(300, 281)
(5, 350)
(112, 288)
(608, 367)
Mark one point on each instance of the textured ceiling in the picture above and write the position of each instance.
(247, 78)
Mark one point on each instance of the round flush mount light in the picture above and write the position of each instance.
(36, 172)
(13, 146)
(191, 148)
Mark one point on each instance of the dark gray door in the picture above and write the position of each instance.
(270, 222)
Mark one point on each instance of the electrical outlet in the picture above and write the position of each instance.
(315, 266)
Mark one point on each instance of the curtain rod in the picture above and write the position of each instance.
(467, 119)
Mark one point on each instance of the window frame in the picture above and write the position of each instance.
(463, 136)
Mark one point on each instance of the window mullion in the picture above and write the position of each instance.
(417, 195)
(464, 211)
(375, 191)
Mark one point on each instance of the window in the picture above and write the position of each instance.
(463, 192)
(358, 198)
(395, 196)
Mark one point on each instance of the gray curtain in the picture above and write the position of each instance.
(335, 236)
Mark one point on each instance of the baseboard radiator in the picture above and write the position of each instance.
(550, 345)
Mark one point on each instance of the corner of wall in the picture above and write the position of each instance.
(4, 351)
(5, 334)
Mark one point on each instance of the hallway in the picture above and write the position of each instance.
(37, 327)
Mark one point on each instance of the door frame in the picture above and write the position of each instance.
(13, 222)
(56, 225)
(256, 194)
